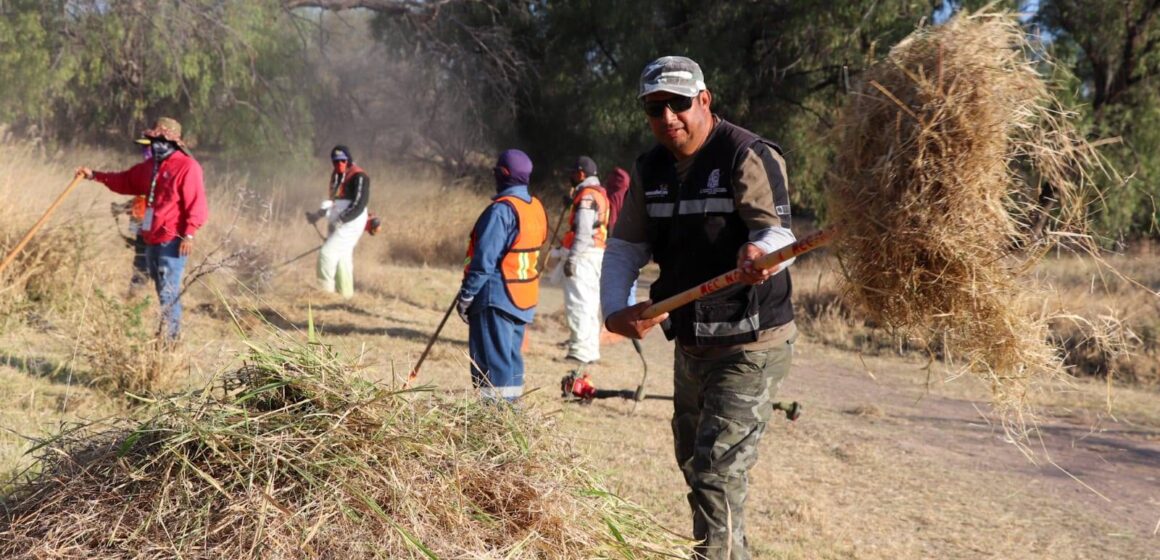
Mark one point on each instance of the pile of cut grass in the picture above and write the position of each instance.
(292, 456)
(942, 154)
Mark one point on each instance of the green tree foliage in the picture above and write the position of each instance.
(1113, 49)
(568, 70)
(98, 70)
(450, 82)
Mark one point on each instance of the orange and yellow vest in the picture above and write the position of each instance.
(521, 275)
(600, 231)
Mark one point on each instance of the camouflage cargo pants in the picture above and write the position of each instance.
(721, 408)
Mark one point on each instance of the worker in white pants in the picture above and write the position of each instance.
(582, 305)
(585, 242)
(346, 215)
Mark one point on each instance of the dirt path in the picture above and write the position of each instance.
(879, 466)
(1110, 470)
(882, 466)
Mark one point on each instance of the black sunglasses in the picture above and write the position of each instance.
(676, 104)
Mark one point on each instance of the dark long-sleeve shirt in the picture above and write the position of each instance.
(358, 192)
(755, 196)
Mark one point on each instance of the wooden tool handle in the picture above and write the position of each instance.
(19, 246)
(431, 342)
(767, 261)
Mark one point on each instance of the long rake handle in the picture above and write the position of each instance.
(770, 260)
(19, 246)
(431, 342)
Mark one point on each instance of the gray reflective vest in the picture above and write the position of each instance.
(695, 234)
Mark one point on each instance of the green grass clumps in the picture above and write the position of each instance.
(292, 456)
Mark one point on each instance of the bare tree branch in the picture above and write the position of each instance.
(396, 7)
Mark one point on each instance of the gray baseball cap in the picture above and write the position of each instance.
(674, 74)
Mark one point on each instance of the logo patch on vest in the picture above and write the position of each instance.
(662, 190)
(713, 184)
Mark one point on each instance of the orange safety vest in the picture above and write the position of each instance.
(337, 192)
(519, 267)
(600, 235)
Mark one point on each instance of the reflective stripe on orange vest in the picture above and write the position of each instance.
(603, 211)
(339, 191)
(519, 264)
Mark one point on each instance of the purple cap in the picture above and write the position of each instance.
(512, 168)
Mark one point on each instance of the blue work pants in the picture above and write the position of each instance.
(166, 267)
(497, 367)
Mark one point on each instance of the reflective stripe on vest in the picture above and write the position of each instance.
(339, 191)
(603, 211)
(519, 265)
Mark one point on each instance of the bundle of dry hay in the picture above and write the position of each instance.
(942, 155)
(291, 457)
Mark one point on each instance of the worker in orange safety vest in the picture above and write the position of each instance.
(501, 282)
(585, 242)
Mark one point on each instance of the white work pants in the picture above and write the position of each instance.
(582, 306)
(336, 259)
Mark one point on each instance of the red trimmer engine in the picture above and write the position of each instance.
(374, 224)
(579, 386)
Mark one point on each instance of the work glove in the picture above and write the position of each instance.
(462, 305)
(569, 267)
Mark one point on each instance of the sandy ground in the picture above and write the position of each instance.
(883, 464)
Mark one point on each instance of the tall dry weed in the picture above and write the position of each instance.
(44, 273)
(119, 343)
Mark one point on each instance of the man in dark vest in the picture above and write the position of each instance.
(709, 197)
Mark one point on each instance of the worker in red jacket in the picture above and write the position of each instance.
(175, 208)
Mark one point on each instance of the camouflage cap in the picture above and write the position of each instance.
(674, 74)
(165, 128)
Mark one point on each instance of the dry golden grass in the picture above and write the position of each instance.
(936, 222)
(1108, 322)
(1104, 324)
(835, 485)
(103, 345)
(293, 456)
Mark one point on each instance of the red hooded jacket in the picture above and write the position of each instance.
(179, 207)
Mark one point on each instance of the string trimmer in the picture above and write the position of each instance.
(578, 387)
(373, 227)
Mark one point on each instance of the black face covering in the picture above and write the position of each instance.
(161, 149)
